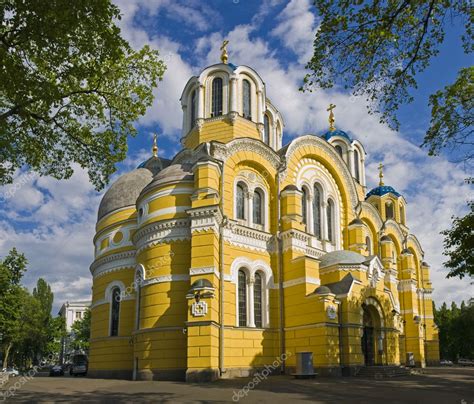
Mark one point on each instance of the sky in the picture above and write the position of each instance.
(53, 222)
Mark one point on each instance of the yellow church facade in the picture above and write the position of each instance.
(241, 252)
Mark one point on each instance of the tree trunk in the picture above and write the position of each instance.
(7, 353)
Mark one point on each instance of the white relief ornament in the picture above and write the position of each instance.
(199, 308)
(331, 312)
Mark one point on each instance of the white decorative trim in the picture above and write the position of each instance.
(205, 219)
(407, 285)
(246, 237)
(303, 280)
(225, 151)
(125, 242)
(295, 240)
(204, 271)
(113, 262)
(162, 232)
(166, 278)
(161, 212)
(316, 141)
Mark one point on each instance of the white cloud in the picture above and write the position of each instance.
(297, 28)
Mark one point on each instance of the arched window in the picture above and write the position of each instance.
(304, 205)
(240, 201)
(389, 210)
(266, 129)
(257, 300)
(193, 108)
(246, 99)
(369, 245)
(115, 312)
(217, 97)
(242, 299)
(258, 207)
(317, 212)
(402, 214)
(339, 150)
(356, 165)
(330, 220)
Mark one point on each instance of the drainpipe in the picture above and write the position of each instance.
(221, 273)
(280, 277)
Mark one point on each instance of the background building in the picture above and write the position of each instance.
(240, 251)
(71, 312)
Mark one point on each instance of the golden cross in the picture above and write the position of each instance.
(155, 147)
(224, 56)
(331, 119)
(381, 166)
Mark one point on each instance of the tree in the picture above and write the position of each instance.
(377, 49)
(70, 88)
(82, 332)
(458, 244)
(12, 268)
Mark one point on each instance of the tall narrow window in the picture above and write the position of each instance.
(389, 210)
(330, 220)
(193, 108)
(246, 99)
(240, 201)
(369, 245)
(266, 129)
(242, 299)
(258, 207)
(339, 150)
(356, 165)
(115, 312)
(317, 212)
(217, 97)
(304, 205)
(257, 300)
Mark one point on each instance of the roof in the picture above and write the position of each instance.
(343, 286)
(126, 189)
(337, 132)
(173, 173)
(342, 257)
(382, 190)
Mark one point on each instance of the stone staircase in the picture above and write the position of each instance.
(383, 372)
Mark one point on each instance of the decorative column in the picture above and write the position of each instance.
(249, 208)
(351, 160)
(251, 314)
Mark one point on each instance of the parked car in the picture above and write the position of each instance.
(445, 362)
(12, 372)
(80, 365)
(465, 362)
(56, 370)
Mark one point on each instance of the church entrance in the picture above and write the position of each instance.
(368, 345)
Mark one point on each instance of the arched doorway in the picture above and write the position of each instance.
(372, 343)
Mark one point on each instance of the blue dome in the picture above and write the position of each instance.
(382, 190)
(329, 134)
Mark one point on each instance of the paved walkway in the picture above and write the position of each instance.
(436, 385)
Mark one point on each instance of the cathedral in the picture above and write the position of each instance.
(240, 252)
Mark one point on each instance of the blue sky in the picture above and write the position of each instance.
(53, 222)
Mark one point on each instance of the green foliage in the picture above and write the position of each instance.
(377, 48)
(28, 332)
(82, 332)
(70, 89)
(458, 245)
(452, 119)
(12, 268)
(456, 331)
